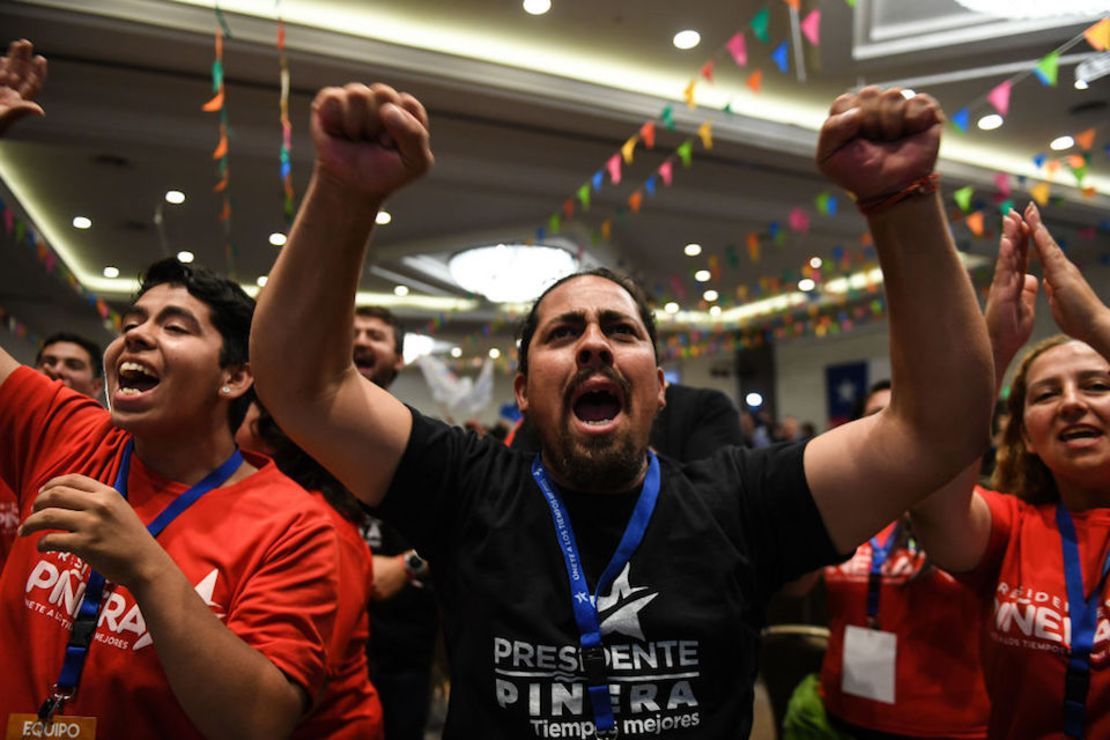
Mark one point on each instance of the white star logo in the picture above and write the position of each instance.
(847, 391)
(623, 605)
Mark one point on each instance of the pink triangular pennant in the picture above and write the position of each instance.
(799, 220)
(666, 171)
(999, 97)
(811, 27)
(614, 166)
(738, 49)
(1002, 182)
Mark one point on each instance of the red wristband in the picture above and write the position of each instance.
(923, 186)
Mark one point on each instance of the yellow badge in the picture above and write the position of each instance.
(22, 726)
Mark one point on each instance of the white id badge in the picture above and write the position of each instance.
(869, 663)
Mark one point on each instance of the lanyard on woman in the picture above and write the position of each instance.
(583, 602)
(1083, 613)
(879, 554)
(85, 622)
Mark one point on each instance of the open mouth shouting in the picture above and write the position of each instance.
(1078, 436)
(364, 361)
(597, 402)
(134, 379)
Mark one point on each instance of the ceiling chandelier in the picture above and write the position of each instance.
(1035, 8)
(510, 273)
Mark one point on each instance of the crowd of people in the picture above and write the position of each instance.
(254, 538)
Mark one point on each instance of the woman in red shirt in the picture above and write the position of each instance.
(1039, 558)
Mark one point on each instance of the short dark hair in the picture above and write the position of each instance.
(528, 327)
(878, 385)
(384, 314)
(230, 311)
(96, 354)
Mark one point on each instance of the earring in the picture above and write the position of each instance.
(225, 390)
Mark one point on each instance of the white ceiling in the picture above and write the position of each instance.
(524, 110)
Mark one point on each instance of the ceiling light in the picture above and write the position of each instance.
(1034, 8)
(816, 262)
(456, 352)
(383, 218)
(261, 281)
(1059, 144)
(510, 273)
(710, 295)
(80, 222)
(908, 93)
(494, 353)
(990, 122)
(176, 197)
(537, 7)
(278, 239)
(806, 284)
(714, 311)
(1081, 84)
(702, 276)
(687, 39)
(185, 256)
(753, 399)
(416, 346)
(111, 272)
(692, 250)
(401, 290)
(671, 307)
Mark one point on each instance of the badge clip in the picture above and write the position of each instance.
(54, 703)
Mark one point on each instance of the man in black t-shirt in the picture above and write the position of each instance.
(594, 586)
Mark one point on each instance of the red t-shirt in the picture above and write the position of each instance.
(1024, 601)
(261, 553)
(349, 707)
(938, 689)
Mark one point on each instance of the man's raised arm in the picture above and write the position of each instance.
(370, 141)
(863, 475)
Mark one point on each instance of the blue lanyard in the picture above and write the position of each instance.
(585, 603)
(1083, 613)
(84, 623)
(879, 555)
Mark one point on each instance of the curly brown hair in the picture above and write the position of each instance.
(1017, 470)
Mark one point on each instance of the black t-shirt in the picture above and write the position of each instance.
(680, 623)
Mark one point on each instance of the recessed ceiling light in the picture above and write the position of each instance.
(990, 122)
(185, 256)
(278, 239)
(702, 276)
(494, 353)
(401, 290)
(753, 399)
(261, 281)
(671, 307)
(687, 39)
(907, 93)
(714, 310)
(456, 352)
(81, 222)
(806, 284)
(383, 218)
(692, 250)
(537, 7)
(175, 197)
(1081, 84)
(111, 272)
(816, 263)
(1059, 144)
(710, 295)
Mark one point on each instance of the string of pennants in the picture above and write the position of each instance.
(218, 104)
(23, 233)
(18, 328)
(285, 153)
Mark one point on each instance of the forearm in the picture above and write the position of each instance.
(1100, 333)
(301, 334)
(227, 689)
(941, 364)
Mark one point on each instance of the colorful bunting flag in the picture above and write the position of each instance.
(760, 24)
(1039, 160)
(553, 223)
(963, 197)
(705, 131)
(975, 223)
(1051, 167)
(781, 55)
(794, 4)
(999, 97)
(1002, 182)
(1086, 139)
(1098, 35)
(584, 197)
(649, 186)
(1047, 68)
(627, 148)
(707, 70)
(738, 49)
(667, 117)
(960, 119)
(635, 200)
(1006, 206)
(688, 94)
(568, 208)
(607, 229)
(826, 204)
(666, 172)
(755, 80)
(647, 133)
(1040, 193)
(753, 246)
(811, 27)
(614, 166)
(799, 220)
(685, 152)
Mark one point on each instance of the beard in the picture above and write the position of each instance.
(378, 373)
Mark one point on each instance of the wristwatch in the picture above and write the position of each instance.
(416, 567)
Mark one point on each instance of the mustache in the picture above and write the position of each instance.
(589, 373)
